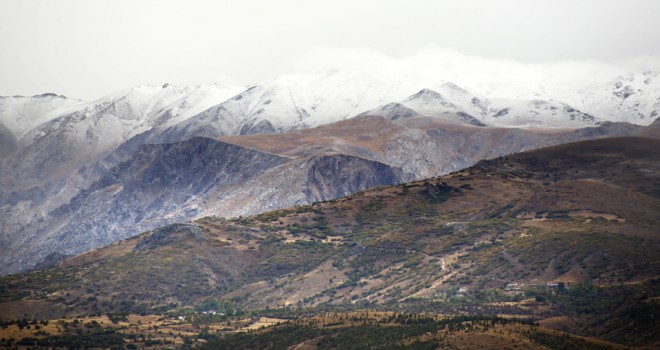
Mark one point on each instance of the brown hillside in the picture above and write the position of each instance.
(498, 238)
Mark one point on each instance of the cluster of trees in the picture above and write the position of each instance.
(23, 323)
(96, 338)
(358, 331)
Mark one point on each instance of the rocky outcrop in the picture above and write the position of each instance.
(334, 176)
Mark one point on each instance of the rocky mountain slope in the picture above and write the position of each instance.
(299, 167)
(55, 148)
(52, 149)
(60, 143)
(570, 224)
(165, 183)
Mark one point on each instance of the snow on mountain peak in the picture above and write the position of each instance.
(536, 113)
(633, 98)
(19, 114)
(292, 102)
(305, 100)
(100, 126)
(457, 106)
(393, 111)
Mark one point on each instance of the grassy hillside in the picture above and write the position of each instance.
(567, 236)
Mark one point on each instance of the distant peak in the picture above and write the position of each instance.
(391, 111)
(452, 86)
(427, 93)
(49, 94)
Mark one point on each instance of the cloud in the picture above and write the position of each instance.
(433, 64)
(641, 63)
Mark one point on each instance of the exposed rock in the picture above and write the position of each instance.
(335, 176)
(261, 127)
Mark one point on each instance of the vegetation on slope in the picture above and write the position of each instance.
(362, 330)
(566, 232)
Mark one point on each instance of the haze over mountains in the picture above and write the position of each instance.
(78, 175)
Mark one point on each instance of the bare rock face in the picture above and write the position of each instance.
(260, 127)
(335, 176)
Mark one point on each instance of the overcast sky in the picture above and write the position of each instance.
(86, 49)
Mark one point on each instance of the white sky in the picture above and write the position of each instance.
(86, 48)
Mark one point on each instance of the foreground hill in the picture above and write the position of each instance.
(574, 227)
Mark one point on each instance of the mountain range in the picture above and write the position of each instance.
(565, 236)
(79, 175)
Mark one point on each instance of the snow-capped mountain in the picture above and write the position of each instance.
(456, 104)
(78, 138)
(129, 112)
(431, 103)
(53, 149)
(50, 137)
(19, 114)
(290, 102)
(55, 160)
(536, 113)
(453, 104)
(634, 98)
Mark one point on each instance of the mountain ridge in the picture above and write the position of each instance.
(163, 183)
(413, 149)
(582, 214)
(54, 161)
